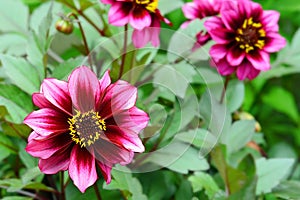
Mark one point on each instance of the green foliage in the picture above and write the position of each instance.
(196, 147)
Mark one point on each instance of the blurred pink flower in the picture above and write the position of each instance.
(84, 123)
(142, 15)
(245, 35)
(199, 9)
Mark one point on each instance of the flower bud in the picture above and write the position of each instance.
(64, 26)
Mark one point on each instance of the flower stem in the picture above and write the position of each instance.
(97, 192)
(62, 187)
(124, 51)
(101, 32)
(224, 89)
(87, 51)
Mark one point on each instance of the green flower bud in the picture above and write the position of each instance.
(64, 26)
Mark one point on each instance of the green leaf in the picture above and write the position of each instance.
(165, 6)
(123, 180)
(17, 103)
(13, 44)
(241, 132)
(270, 172)
(63, 70)
(16, 130)
(288, 190)
(29, 161)
(201, 180)
(6, 147)
(189, 161)
(13, 16)
(184, 191)
(31, 174)
(16, 198)
(21, 73)
(235, 95)
(282, 101)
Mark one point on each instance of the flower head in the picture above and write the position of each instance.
(84, 123)
(199, 9)
(245, 35)
(142, 15)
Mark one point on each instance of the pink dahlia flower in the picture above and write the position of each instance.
(199, 9)
(245, 35)
(142, 15)
(84, 123)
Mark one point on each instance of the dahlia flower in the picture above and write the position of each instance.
(142, 15)
(84, 123)
(199, 9)
(245, 35)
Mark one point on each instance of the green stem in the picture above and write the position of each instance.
(224, 89)
(101, 32)
(62, 187)
(83, 38)
(124, 51)
(97, 192)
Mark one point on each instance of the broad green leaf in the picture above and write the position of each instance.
(17, 103)
(239, 135)
(288, 190)
(184, 191)
(31, 174)
(189, 161)
(85, 4)
(270, 172)
(29, 161)
(63, 70)
(201, 180)
(123, 180)
(21, 73)
(6, 147)
(165, 6)
(235, 95)
(282, 101)
(13, 44)
(16, 130)
(13, 16)
(175, 82)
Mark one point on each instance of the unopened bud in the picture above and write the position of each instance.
(64, 26)
(247, 116)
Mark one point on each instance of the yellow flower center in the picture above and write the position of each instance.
(85, 128)
(150, 5)
(250, 35)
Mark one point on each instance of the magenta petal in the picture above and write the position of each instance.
(119, 96)
(40, 101)
(213, 23)
(57, 93)
(118, 14)
(140, 37)
(224, 68)
(34, 135)
(154, 32)
(82, 168)
(218, 51)
(47, 121)
(230, 19)
(221, 35)
(140, 18)
(190, 10)
(133, 119)
(83, 88)
(235, 56)
(107, 152)
(105, 171)
(108, 1)
(46, 147)
(128, 140)
(260, 60)
(105, 81)
(270, 20)
(57, 162)
(274, 42)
